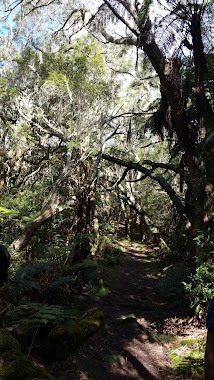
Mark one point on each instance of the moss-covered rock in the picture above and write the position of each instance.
(71, 335)
(80, 331)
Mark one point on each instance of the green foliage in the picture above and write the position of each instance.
(33, 315)
(111, 253)
(60, 282)
(7, 214)
(170, 284)
(26, 278)
(46, 283)
(115, 258)
(164, 338)
(199, 287)
(94, 271)
(6, 90)
(188, 357)
(82, 69)
(179, 244)
(6, 211)
(22, 204)
(87, 263)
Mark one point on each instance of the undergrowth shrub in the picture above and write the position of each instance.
(46, 294)
(179, 248)
(57, 282)
(170, 284)
(199, 287)
(97, 272)
(27, 278)
(110, 253)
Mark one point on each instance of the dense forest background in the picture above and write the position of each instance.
(106, 134)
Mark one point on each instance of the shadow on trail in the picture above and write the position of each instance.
(128, 348)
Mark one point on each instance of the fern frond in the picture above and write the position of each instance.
(36, 314)
(25, 277)
(61, 281)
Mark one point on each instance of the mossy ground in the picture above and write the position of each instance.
(187, 357)
(14, 365)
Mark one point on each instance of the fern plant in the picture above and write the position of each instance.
(26, 278)
(33, 315)
(61, 282)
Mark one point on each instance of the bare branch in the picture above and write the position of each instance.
(131, 10)
(43, 5)
(50, 130)
(66, 21)
(119, 41)
(120, 179)
(114, 11)
(162, 165)
(128, 114)
(137, 180)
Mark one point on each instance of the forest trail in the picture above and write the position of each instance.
(130, 348)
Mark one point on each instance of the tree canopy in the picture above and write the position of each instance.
(66, 98)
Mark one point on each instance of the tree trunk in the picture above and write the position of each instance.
(49, 209)
(200, 165)
(31, 229)
(85, 214)
(82, 247)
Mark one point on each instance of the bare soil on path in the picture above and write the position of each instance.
(129, 347)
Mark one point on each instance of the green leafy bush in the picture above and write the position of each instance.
(171, 283)
(178, 243)
(199, 287)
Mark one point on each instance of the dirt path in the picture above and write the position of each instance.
(129, 348)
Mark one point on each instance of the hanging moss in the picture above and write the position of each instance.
(143, 12)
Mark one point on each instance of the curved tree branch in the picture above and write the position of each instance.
(149, 173)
